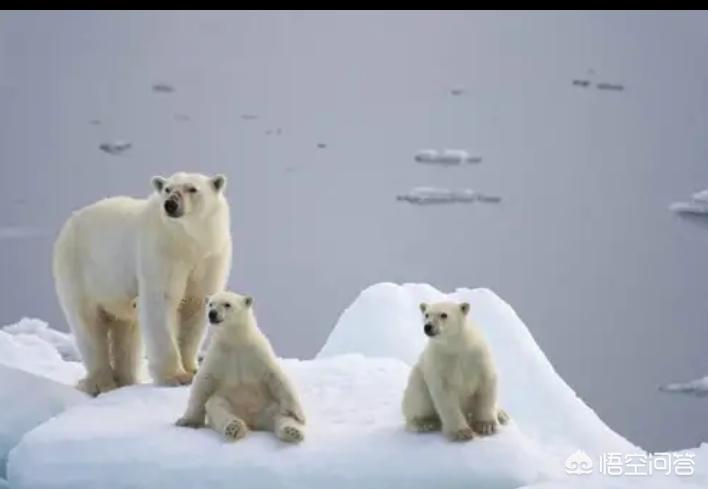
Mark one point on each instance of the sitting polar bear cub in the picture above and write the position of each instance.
(174, 247)
(454, 384)
(240, 385)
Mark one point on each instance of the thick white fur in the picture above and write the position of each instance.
(119, 250)
(453, 386)
(240, 385)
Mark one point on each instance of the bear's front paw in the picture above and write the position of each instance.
(503, 417)
(94, 385)
(463, 434)
(235, 430)
(176, 379)
(292, 434)
(424, 425)
(485, 428)
(189, 422)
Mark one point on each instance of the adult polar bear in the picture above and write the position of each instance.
(170, 251)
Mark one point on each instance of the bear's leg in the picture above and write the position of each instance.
(192, 322)
(288, 429)
(222, 419)
(126, 351)
(418, 408)
(91, 334)
(483, 411)
(158, 311)
(448, 406)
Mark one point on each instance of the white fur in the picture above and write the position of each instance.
(240, 385)
(121, 249)
(453, 386)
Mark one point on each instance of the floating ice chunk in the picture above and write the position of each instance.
(698, 387)
(63, 342)
(19, 232)
(115, 147)
(610, 86)
(163, 88)
(434, 195)
(701, 196)
(696, 207)
(321, 145)
(446, 157)
(457, 91)
(581, 83)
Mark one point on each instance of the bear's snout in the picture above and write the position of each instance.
(429, 329)
(172, 207)
(214, 317)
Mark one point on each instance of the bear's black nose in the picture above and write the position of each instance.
(428, 328)
(213, 317)
(171, 207)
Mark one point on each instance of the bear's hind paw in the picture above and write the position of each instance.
(235, 430)
(291, 434)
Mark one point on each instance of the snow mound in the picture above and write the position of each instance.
(63, 342)
(27, 401)
(35, 352)
(698, 387)
(530, 389)
(355, 438)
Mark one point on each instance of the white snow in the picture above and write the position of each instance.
(700, 196)
(63, 342)
(27, 401)
(35, 352)
(697, 387)
(355, 436)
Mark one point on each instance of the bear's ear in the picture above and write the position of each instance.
(218, 183)
(158, 183)
(465, 308)
(248, 300)
(423, 307)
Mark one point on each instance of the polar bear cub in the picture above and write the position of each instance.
(240, 385)
(453, 386)
(174, 248)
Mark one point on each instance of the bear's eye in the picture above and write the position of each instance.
(192, 190)
(443, 316)
(167, 190)
(427, 316)
(227, 305)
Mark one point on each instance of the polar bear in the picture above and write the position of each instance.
(168, 252)
(454, 384)
(240, 385)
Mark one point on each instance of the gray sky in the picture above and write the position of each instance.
(611, 284)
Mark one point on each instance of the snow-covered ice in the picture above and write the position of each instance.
(446, 157)
(115, 147)
(27, 401)
(697, 387)
(355, 437)
(63, 342)
(700, 196)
